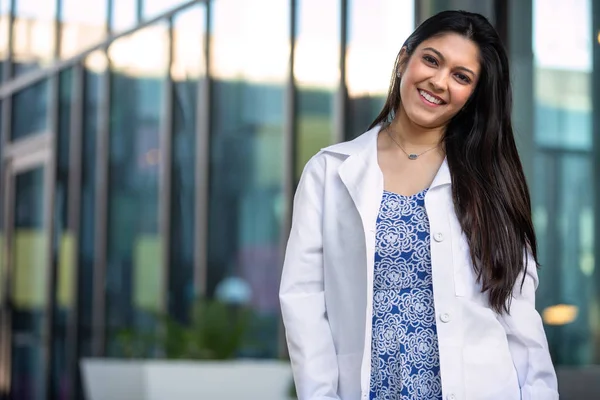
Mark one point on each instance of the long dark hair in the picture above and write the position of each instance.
(489, 190)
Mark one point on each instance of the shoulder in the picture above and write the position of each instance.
(317, 167)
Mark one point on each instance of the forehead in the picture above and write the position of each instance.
(458, 51)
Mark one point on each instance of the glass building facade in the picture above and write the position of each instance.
(150, 150)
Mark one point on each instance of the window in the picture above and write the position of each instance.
(376, 32)
(83, 24)
(134, 286)
(188, 68)
(33, 34)
(250, 54)
(317, 82)
(563, 184)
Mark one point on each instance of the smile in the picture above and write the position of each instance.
(430, 98)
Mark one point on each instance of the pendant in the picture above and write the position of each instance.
(412, 156)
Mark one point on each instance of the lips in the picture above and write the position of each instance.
(431, 98)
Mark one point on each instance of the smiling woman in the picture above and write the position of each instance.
(436, 242)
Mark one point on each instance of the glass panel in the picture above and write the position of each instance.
(63, 244)
(30, 111)
(83, 24)
(124, 15)
(134, 271)
(153, 8)
(376, 32)
(29, 291)
(188, 67)
(562, 194)
(33, 34)
(4, 29)
(317, 38)
(250, 63)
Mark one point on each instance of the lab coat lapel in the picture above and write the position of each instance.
(363, 179)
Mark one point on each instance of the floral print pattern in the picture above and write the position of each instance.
(405, 361)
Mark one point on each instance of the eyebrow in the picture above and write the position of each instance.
(441, 56)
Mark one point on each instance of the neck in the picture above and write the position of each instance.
(411, 134)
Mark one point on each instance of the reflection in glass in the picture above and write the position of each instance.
(563, 188)
(83, 24)
(249, 62)
(376, 32)
(29, 287)
(153, 8)
(33, 34)
(134, 273)
(63, 244)
(564, 222)
(124, 15)
(4, 29)
(30, 111)
(317, 38)
(188, 67)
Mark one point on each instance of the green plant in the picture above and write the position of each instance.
(216, 331)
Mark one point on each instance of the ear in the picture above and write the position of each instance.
(403, 57)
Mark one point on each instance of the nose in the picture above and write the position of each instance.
(439, 82)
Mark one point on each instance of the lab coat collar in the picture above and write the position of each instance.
(361, 154)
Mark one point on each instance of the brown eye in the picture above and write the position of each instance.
(463, 78)
(430, 60)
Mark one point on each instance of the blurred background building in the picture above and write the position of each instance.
(150, 150)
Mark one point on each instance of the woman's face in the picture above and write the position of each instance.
(438, 79)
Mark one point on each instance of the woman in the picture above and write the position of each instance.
(410, 271)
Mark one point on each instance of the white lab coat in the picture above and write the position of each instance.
(327, 289)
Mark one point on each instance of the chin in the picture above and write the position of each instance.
(425, 122)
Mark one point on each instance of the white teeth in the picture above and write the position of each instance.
(430, 98)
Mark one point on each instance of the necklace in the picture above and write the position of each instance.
(411, 156)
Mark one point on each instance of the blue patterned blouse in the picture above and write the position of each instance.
(405, 359)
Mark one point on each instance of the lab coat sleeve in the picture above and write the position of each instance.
(308, 334)
(527, 340)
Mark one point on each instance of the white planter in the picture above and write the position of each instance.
(114, 379)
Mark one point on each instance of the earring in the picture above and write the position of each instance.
(398, 74)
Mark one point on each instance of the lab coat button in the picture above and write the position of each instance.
(438, 237)
(445, 317)
(451, 396)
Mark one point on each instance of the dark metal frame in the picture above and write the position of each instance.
(290, 140)
(501, 11)
(341, 132)
(50, 231)
(202, 163)
(74, 218)
(101, 215)
(166, 174)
